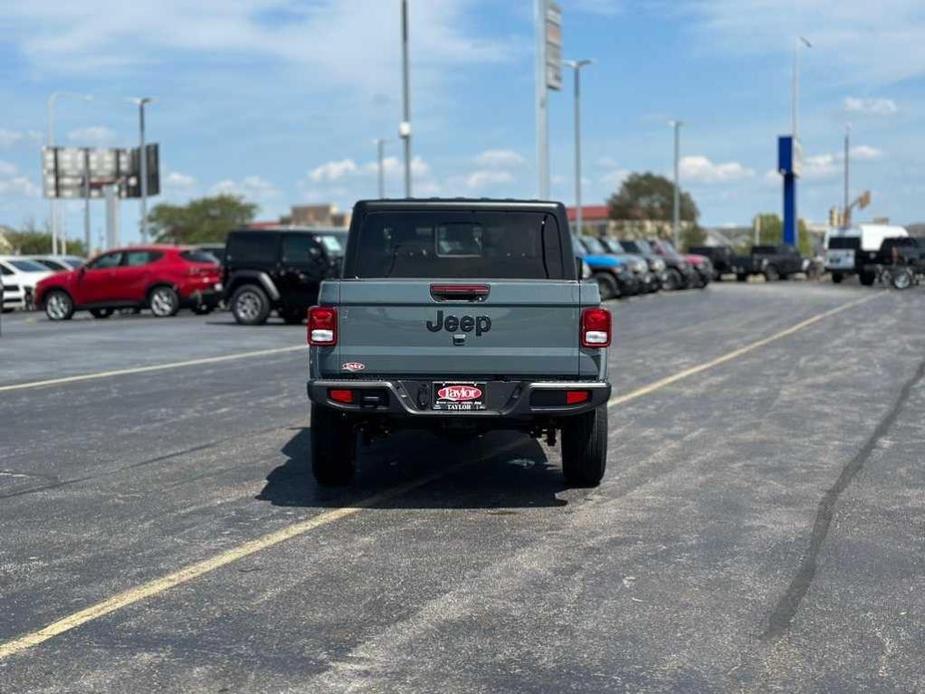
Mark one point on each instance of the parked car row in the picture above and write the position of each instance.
(630, 267)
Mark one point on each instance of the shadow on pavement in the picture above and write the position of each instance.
(500, 470)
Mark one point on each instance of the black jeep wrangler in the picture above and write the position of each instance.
(277, 270)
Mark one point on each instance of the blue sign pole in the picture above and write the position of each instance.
(788, 165)
(790, 209)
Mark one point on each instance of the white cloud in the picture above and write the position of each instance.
(332, 171)
(179, 181)
(851, 40)
(92, 135)
(820, 166)
(14, 185)
(8, 138)
(700, 169)
(252, 188)
(7, 169)
(487, 177)
(871, 107)
(866, 153)
(342, 42)
(502, 158)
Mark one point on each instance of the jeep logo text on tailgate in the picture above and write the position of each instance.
(481, 324)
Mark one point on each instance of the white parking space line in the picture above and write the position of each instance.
(153, 367)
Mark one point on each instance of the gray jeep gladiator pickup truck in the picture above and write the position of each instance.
(459, 316)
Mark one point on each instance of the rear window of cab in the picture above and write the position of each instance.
(453, 244)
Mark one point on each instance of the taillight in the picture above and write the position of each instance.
(576, 397)
(322, 326)
(595, 327)
(341, 395)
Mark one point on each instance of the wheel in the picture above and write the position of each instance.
(741, 278)
(250, 305)
(704, 281)
(292, 316)
(164, 301)
(771, 274)
(607, 285)
(584, 448)
(902, 279)
(334, 446)
(867, 278)
(102, 312)
(59, 305)
(837, 278)
(673, 280)
(203, 309)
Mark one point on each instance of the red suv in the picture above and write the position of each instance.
(162, 278)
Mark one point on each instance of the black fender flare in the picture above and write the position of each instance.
(239, 277)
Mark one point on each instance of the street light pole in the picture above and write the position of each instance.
(143, 166)
(576, 66)
(676, 209)
(846, 217)
(53, 202)
(405, 128)
(795, 87)
(380, 146)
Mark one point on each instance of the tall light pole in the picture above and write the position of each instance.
(676, 209)
(53, 202)
(576, 66)
(542, 123)
(404, 130)
(143, 165)
(380, 164)
(795, 87)
(846, 221)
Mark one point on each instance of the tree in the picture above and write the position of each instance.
(202, 220)
(772, 233)
(32, 239)
(648, 196)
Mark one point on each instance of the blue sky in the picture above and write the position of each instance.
(280, 101)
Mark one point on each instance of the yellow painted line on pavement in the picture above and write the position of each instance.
(193, 571)
(736, 353)
(153, 367)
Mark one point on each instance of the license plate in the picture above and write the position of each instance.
(458, 397)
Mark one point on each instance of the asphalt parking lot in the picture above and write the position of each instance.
(760, 526)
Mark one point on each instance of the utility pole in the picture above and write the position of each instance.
(143, 166)
(576, 66)
(542, 125)
(404, 130)
(380, 164)
(676, 210)
(87, 239)
(846, 217)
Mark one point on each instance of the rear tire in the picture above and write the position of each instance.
(903, 279)
(584, 448)
(741, 278)
(164, 301)
(59, 305)
(607, 285)
(673, 280)
(101, 313)
(837, 278)
(203, 309)
(334, 447)
(250, 305)
(867, 278)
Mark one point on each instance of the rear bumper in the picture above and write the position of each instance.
(504, 400)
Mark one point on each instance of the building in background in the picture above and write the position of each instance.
(320, 215)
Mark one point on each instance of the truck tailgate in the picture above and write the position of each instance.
(394, 327)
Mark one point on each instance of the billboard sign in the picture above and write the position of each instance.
(553, 46)
(79, 172)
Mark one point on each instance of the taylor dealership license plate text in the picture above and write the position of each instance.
(458, 397)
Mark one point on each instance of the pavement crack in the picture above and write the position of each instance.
(782, 616)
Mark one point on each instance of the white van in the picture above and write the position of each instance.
(853, 249)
